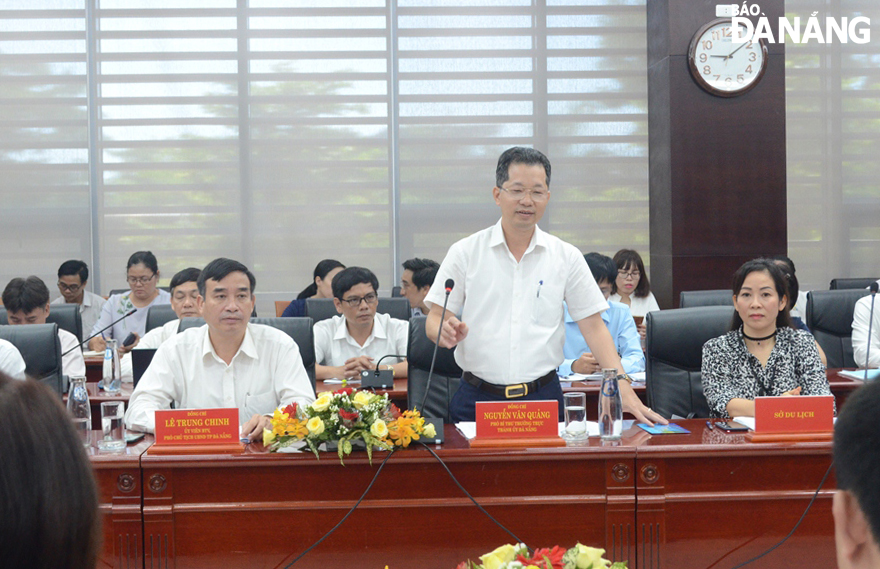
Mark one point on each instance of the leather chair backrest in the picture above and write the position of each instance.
(300, 329)
(839, 284)
(444, 381)
(829, 318)
(41, 350)
(692, 298)
(159, 315)
(323, 308)
(67, 317)
(675, 357)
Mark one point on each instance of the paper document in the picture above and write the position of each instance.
(469, 428)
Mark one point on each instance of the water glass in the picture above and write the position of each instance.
(112, 417)
(575, 409)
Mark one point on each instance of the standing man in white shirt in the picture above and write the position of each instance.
(510, 282)
(860, 340)
(415, 282)
(72, 279)
(228, 362)
(356, 340)
(27, 302)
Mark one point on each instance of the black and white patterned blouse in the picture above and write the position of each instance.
(730, 372)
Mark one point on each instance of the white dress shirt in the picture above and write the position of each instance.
(265, 373)
(72, 364)
(334, 345)
(513, 310)
(640, 306)
(89, 310)
(11, 362)
(860, 332)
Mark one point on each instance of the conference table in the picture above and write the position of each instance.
(660, 501)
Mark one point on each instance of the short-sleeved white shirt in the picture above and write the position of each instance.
(334, 345)
(513, 310)
(11, 362)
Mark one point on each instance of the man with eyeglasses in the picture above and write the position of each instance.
(72, 278)
(505, 311)
(356, 340)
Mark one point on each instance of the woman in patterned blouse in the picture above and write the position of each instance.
(762, 354)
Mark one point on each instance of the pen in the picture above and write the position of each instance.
(711, 425)
(540, 284)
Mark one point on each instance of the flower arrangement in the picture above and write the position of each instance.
(344, 416)
(517, 557)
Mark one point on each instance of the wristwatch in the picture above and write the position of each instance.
(625, 377)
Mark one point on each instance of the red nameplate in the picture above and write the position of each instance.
(197, 427)
(795, 414)
(517, 419)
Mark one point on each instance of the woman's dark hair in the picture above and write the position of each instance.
(321, 271)
(783, 319)
(787, 266)
(48, 499)
(145, 258)
(626, 260)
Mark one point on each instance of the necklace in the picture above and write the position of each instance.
(758, 340)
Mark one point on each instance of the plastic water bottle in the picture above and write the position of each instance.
(610, 407)
(112, 378)
(80, 409)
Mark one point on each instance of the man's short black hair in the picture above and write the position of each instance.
(74, 267)
(351, 277)
(25, 295)
(424, 271)
(188, 275)
(520, 155)
(857, 451)
(602, 266)
(219, 269)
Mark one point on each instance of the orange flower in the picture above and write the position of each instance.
(405, 428)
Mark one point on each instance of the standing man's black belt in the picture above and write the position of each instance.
(509, 391)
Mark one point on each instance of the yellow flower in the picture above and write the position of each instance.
(589, 557)
(315, 426)
(379, 429)
(322, 402)
(361, 399)
(495, 559)
(430, 431)
(268, 437)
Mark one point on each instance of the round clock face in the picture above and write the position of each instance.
(722, 67)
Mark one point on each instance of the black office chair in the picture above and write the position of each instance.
(396, 292)
(323, 308)
(125, 290)
(159, 315)
(675, 357)
(300, 329)
(693, 298)
(829, 318)
(444, 382)
(41, 350)
(840, 284)
(67, 317)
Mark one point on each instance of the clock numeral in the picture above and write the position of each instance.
(718, 78)
(707, 45)
(728, 80)
(749, 45)
(740, 79)
(749, 69)
(707, 70)
(703, 58)
(753, 56)
(726, 32)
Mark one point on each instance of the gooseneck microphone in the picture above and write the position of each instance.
(875, 286)
(448, 285)
(101, 331)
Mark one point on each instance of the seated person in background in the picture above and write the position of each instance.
(11, 362)
(787, 266)
(72, 279)
(578, 358)
(856, 505)
(48, 499)
(762, 354)
(228, 362)
(418, 276)
(27, 302)
(798, 308)
(631, 287)
(860, 325)
(142, 276)
(355, 341)
(320, 287)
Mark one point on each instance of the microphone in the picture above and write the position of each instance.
(448, 285)
(875, 286)
(101, 331)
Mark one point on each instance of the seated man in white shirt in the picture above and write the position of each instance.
(27, 302)
(228, 362)
(11, 362)
(72, 279)
(355, 341)
(415, 282)
(860, 341)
